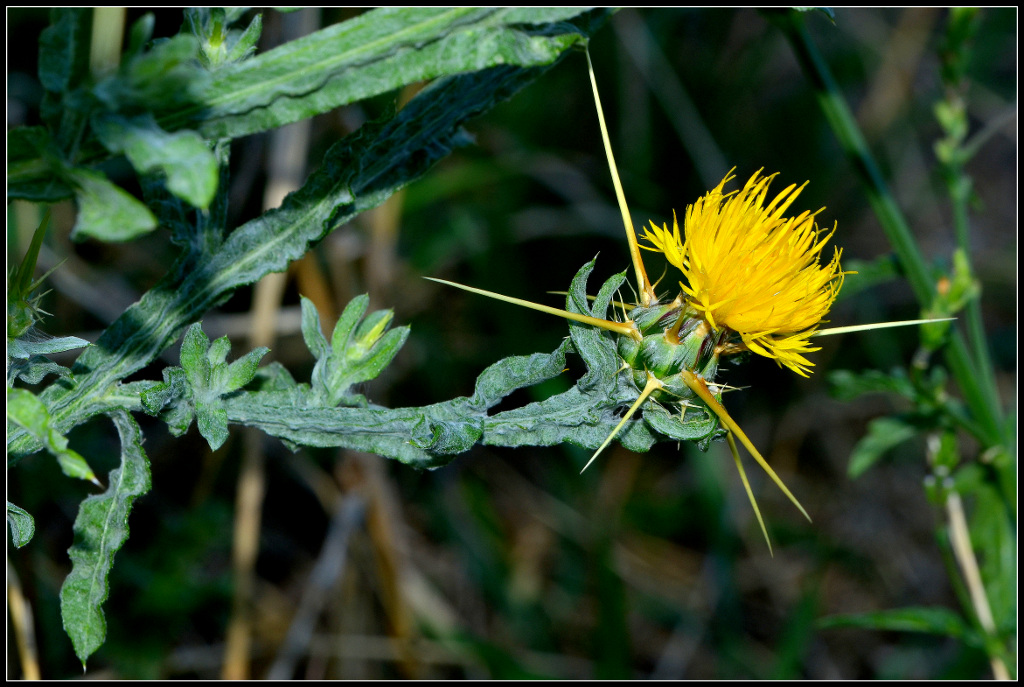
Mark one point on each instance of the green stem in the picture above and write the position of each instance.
(959, 193)
(977, 385)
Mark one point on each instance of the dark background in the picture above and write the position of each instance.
(511, 564)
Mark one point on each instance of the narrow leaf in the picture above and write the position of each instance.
(312, 333)
(241, 371)
(101, 528)
(929, 619)
(25, 347)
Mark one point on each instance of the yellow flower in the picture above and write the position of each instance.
(753, 271)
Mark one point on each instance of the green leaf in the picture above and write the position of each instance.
(193, 356)
(846, 385)
(34, 370)
(243, 370)
(864, 274)
(183, 157)
(241, 45)
(101, 528)
(212, 421)
(27, 411)
(25, 347)
(20, 282)
(883, 434)
(139, 35)
(356, 354)
(827, 11)
(390, 154)
(993, 535)
(166, 76)
(312, 333)
(379, 51)
(106, 212)
(200, 384)
(21, 524)
(32, 158)
(64, 49)
(929, 619)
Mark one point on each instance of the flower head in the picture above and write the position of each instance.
(753, 271)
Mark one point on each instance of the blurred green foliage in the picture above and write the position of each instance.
(513, 564)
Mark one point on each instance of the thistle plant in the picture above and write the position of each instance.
(751, 278)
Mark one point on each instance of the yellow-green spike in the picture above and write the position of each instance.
(876, 325)
(700, 387)
(618, 304)
(643, 283)
(626, 328)
(653, 384)
(750, 493)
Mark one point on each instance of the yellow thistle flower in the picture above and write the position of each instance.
(753, 271)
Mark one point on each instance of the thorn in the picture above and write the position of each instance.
(643, 283)
(700, 387)
(750, 493)
(876, 325)
(625, 328)
(653, 384)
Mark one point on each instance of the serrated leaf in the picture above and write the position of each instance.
(21, 525)
(101, 528)
(172, 400)
(106, 212)
(929, 619)
(883, 434)
(183, 157)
